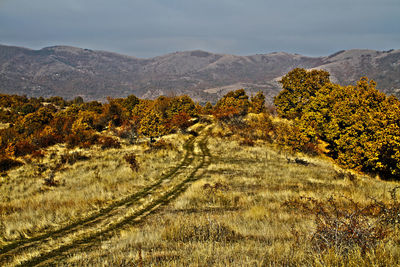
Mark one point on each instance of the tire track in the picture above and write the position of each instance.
(51, 258)
(8, 252)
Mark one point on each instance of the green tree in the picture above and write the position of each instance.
(152, 125)
(181, 104)
(299, 86)
(257, 103)
(208, 108)
(237, 102)
(130, 102)
(360, 124)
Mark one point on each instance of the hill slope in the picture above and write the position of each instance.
(209, 200)
(69, 71)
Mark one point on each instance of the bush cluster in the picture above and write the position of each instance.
(343, 225)
(38, 123)
(359, 123)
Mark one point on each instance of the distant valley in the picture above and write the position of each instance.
(94, 75)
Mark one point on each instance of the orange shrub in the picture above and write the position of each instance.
(82, 139)
(47, 137)
(181, 120)
(21, 148)
(225, 113)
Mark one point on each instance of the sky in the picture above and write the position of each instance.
(148, 28)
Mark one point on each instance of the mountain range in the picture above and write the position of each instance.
(69, 72)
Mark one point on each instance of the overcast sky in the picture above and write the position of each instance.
(147, 28)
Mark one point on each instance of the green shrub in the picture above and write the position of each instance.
(291, 137)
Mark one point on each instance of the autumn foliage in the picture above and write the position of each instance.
(359, 123)
(233, 104)
(35, 124)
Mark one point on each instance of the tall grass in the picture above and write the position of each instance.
(235, 215)
(84, 182)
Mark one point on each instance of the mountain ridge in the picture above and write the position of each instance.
(94, 74)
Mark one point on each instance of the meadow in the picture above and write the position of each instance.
(243, 209)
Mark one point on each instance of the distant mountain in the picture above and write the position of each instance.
(94, 75)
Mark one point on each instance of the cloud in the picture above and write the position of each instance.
(152, 27)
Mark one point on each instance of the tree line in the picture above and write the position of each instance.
(36, 123)
(359, 125)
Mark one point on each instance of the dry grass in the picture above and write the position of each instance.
(4, 125)
(28, 206)
(234, 215)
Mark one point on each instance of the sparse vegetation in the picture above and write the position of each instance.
(132, 161)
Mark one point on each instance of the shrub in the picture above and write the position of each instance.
(257, 103)
(226, 113)
(181, 121)
(47, 137)
(299, 86)
(343, 226)
(7, 163)
(237, 124)
(291, 137)
(82, 139)
(161, 144)
(261, 126)
(232, 104)
(131, 160)
(127, 131)
(21, 148)
(109, 142)
(47, 140)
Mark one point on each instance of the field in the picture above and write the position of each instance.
(209, 200)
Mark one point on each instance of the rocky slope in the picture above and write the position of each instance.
(69, 72)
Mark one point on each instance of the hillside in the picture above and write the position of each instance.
(210, 201)
(137, 182)
(69, 71)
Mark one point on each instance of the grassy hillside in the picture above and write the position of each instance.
(209, 200)
(172, 183)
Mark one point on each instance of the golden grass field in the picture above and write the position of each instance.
(230, 212)
(28, 206)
